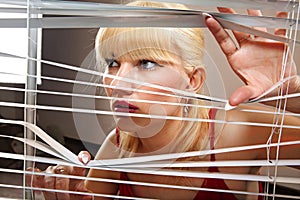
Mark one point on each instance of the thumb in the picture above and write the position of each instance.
(83, 157)
(243, 94)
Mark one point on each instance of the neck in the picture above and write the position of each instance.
(162, 140)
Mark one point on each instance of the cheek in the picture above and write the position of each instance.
(167, 77)
(164, 77)
(107, 82)
(157, 107)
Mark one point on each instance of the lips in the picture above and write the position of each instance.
(123, 106)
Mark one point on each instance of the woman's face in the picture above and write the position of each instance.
(144, 71)
(147, 57)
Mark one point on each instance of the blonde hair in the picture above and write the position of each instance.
(161, 44)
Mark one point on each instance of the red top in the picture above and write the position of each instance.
(212, 183)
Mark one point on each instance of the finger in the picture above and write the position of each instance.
(80, 187)
(78, 171)
(84, 157)
(243, 94)
(256, 13)
(78, 184)
(239, 36)
(34, 180)
(62, 183)
(226, 10)
(49, 183)
(225, 42)
(279, 31)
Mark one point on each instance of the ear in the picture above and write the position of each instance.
(197, 78)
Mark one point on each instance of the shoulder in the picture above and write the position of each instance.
(238, 128)
(248, 125)
(260, 115)
(255, 123)
(252, 125)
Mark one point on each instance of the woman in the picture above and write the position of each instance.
(172, 58)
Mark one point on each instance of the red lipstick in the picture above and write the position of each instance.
(123, 106)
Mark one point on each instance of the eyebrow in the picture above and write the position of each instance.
(109, 59)
(162, 61)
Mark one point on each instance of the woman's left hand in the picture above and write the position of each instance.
(257, 61)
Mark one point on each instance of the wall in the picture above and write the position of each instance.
(71, 46)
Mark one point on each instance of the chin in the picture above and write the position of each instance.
(146, 130)
(126, 124)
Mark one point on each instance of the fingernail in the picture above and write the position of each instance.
(229, 107)
(85, 158)
(206, 15)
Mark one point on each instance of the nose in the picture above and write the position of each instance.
(121, 84)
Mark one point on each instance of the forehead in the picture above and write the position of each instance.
(138, 43)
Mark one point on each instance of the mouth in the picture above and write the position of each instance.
(123, 106)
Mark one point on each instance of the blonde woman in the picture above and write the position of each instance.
(173, 58)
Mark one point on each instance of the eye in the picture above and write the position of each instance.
(112, 63)
(148, 65)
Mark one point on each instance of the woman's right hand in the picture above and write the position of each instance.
(62, 183)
